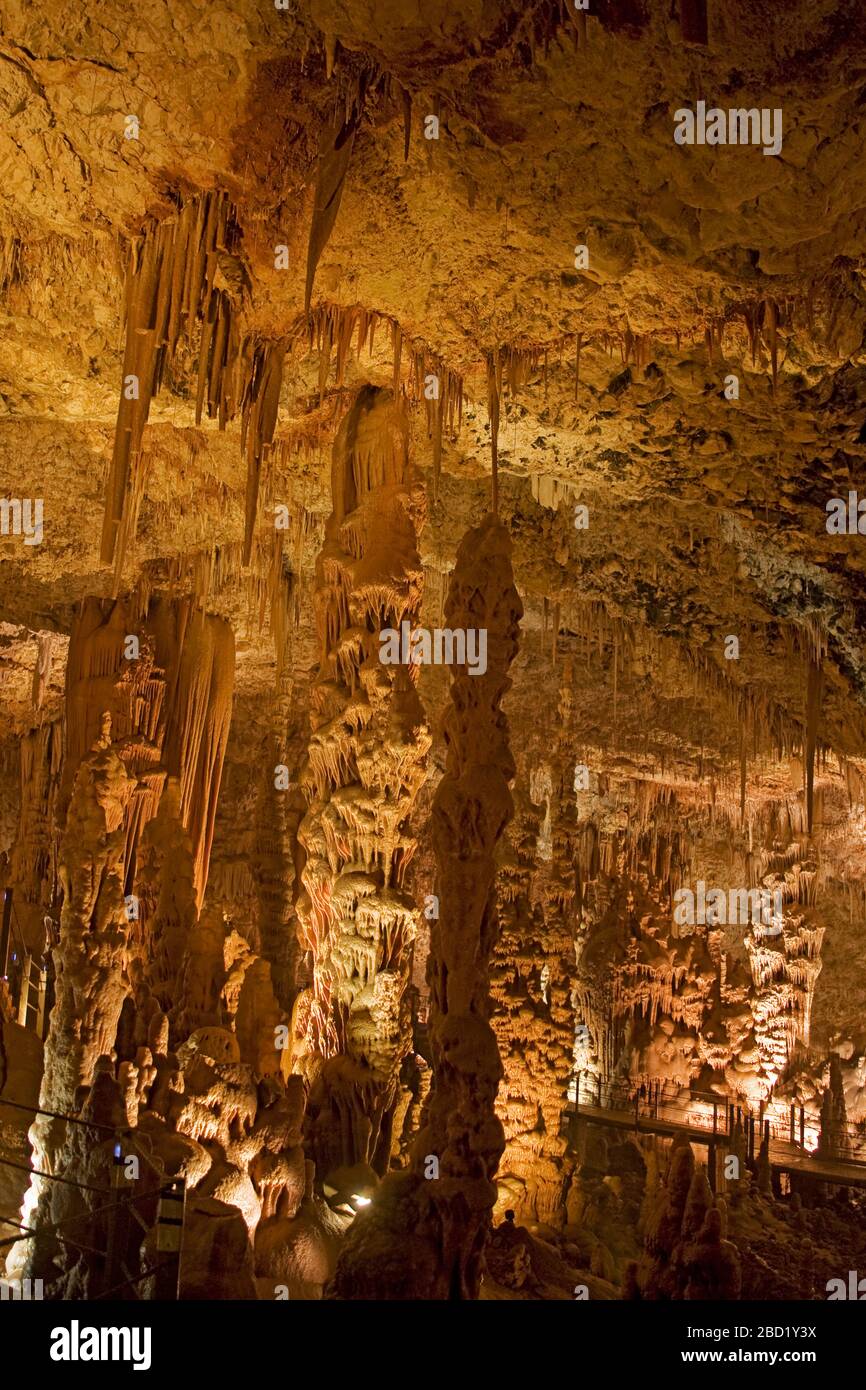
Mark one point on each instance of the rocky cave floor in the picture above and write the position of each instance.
(328, 327)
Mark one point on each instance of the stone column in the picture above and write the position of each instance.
(366, 763)
(423, 1235)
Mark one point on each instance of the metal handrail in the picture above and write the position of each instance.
(58, 1115)
(667, 1095)
(626, 1086)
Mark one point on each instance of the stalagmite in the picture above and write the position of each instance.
(424, 1235)
(90, 968)
(365, 766)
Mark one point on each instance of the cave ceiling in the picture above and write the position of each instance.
(706, 514)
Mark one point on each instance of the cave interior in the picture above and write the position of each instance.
(432, 615)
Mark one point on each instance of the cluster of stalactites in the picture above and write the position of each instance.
(692, 985)
(598, 1031)
(788, 971)
(173, 284)
(331, 329)
(186, 274)
(767, 728)
(33, 860)
(653, 990)
(170, 703)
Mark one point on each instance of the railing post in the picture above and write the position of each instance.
(113, 1255)
(24, 994)
(40, 1002)
(169, 1238)
(792, 1122)
(5, 932)
(802, 1127)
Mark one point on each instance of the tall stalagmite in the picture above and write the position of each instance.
(90, 987)
(365, 765)
(148, 702)
(94, 926)
(424, 1235)
(531, 979)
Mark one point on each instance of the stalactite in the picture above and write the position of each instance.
(45, 644)
(33, 868)
(170, 707)
(260, 406)
(494, 386)
(552, 492)
(814, 688)
(772, 321)
(577, 347)
(335, 153)
(397, 342)
(635, 347)
(406, 97)
(743, 772)
(171, 286)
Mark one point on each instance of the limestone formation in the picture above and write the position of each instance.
(365, 766)
(432, 676)
(442, 1206)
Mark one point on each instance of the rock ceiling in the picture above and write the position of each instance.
(707, 514)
